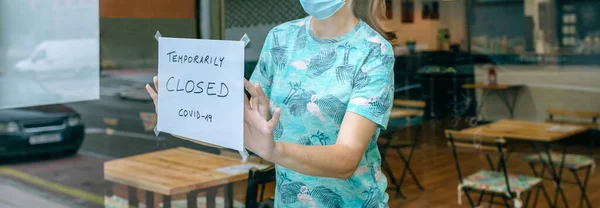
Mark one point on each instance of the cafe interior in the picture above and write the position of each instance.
(496, 104)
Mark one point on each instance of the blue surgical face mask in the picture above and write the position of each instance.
(322, 9)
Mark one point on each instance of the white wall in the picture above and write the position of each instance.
(424, 31)
(544, 86)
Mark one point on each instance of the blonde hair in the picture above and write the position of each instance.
(369, 11)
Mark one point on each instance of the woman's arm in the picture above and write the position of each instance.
(356, 131)
(337, 161)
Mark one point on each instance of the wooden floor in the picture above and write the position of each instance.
(435, 169)
(434, 166)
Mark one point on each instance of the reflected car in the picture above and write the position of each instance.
(70, 56)
(40, 130)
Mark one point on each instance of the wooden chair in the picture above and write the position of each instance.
(257, 179)
(562, 116)
(406, 114)
(495, 181)
(573, 162)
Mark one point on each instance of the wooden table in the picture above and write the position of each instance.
(398, 113)
(173, 172)
(525, 130)
(502, 90)
(545, 133)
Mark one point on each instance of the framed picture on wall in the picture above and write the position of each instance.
(408, 11)
(426, 10)
(389, 9)
(430, 10)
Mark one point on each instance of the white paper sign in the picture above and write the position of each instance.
(201, 89)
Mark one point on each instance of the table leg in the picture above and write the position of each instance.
(508, 103)
(192, 199)
(484, 97)
(504, 98)
(211, 194)
(517, 92)
(132, 196)
(108, 188)
(149, 199)
(229, 195)
(166, 201)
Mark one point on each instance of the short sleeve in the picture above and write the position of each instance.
(373, 89)
(263, 72)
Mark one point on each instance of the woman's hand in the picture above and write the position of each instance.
(153, 93)
(258, 124)
(258, 127)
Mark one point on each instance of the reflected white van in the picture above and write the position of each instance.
(74, 55)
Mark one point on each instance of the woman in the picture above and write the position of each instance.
(329, 80)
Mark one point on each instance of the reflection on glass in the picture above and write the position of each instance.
(49, 52)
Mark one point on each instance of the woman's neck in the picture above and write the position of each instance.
(337, 25)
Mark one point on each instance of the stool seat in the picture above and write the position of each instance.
(494, 181)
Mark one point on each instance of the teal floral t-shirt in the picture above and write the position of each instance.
(315, 82)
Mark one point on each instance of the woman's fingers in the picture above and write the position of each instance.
(155, 81)
(251, 89)
(263, 102)
(153, 94)
(246, 104)
(256, 102)
(260, 91)
(260, 95)
(275, 119)
(253, 94)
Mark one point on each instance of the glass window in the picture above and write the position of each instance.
(77, 125)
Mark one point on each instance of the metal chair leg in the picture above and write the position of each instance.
(537, 196)
(388, 170)
(408, 169)
(556, 174)
(469, 197)
(543, 172)
(481, 194)
(407, 160)
(585, 184)
(547, 196)
(564, 197)
(492, 199)
(583, 187)
(532, 166)
(528, 198)
(506, 202)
